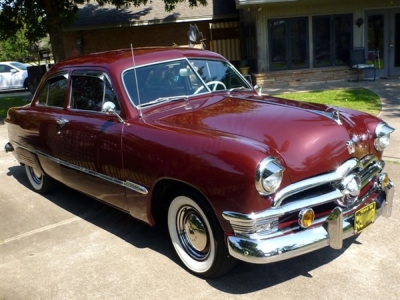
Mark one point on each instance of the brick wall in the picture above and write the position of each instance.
(97, 40)
(297, 77)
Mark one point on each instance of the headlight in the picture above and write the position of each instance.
(382, 136)
(268, 176)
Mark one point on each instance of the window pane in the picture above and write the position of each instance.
(277, 31)
(213, 70)
(298, 34)
(397, 41)
(342, 28)
(55, 91)
(322, 37)
(332, 40)
(288, 44)
(375, 39)
(87, 93)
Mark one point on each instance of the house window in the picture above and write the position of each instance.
(249, 47)
(332, 40)
(288, 44)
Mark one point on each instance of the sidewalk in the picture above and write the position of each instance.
(388, 91)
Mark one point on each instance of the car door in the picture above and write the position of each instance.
(6, 78)
(90, 144)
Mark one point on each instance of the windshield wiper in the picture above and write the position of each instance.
(164, 99)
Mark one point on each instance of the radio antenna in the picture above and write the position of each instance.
(136, 82)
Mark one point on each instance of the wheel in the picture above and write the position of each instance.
(212, 85)
(26, 84)
(197, 236)
(39, 182)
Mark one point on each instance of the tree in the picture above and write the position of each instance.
(42, 17)
(15, 47)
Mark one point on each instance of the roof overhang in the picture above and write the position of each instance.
(244, 3)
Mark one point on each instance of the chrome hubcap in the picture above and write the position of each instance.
(36, 176)
(193, 233)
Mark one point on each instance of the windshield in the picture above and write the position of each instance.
(172, 80)
(219, 75)
(19, 65)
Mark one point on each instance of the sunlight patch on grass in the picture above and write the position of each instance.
(353, 98)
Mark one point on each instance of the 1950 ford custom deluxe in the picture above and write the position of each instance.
(178, 137)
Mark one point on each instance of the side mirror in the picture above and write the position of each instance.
(108, 107)
(258, 89)
(13, 71)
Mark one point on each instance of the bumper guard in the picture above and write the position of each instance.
(332, 232)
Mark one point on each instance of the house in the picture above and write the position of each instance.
(297, 41)
(101, 28)
(283, 42)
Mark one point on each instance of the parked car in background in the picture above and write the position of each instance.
(178, 138)
(13, 75)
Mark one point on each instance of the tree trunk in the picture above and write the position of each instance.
(54, 28)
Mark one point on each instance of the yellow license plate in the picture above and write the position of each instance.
(364, 217)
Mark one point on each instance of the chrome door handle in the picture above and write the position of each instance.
(62, 122)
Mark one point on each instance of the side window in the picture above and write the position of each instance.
(5, 69)
(53, 93)
(90, 90)
(109, 94)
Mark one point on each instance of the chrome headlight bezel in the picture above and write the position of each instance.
(382, 136)
(269, 176)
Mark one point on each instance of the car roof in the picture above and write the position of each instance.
(122, 58)
(10, 62)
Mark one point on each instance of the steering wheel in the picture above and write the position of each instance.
(212, 85)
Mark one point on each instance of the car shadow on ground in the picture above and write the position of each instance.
(244, 278)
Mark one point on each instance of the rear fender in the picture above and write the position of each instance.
(28, 158)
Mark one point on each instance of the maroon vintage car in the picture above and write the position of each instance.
(178, 137)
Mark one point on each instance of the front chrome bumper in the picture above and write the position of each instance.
(337, 227)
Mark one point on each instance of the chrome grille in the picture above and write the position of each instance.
(311, 192)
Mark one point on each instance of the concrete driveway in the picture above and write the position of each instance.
(67, 246)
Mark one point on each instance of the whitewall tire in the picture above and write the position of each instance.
(197, 236)
(39, 182)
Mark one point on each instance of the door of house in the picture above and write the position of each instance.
(383, 40)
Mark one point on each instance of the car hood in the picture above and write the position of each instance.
(306, 136)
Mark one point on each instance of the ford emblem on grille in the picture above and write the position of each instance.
(351, 147)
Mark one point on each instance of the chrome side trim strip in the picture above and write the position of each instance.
(128, 184)
(136, 187)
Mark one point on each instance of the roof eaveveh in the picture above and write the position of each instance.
(93, 15)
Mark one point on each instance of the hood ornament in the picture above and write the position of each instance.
(336, 116)
(351, 147)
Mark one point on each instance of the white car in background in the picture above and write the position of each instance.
(13, 75)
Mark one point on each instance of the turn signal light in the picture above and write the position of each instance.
(306, 217)
(384, 180)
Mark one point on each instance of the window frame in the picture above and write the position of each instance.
(45, 89)
(106, 85)
(333, 33)
(288, 44)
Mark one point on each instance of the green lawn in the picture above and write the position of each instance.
(354, 98)
(7, 102)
